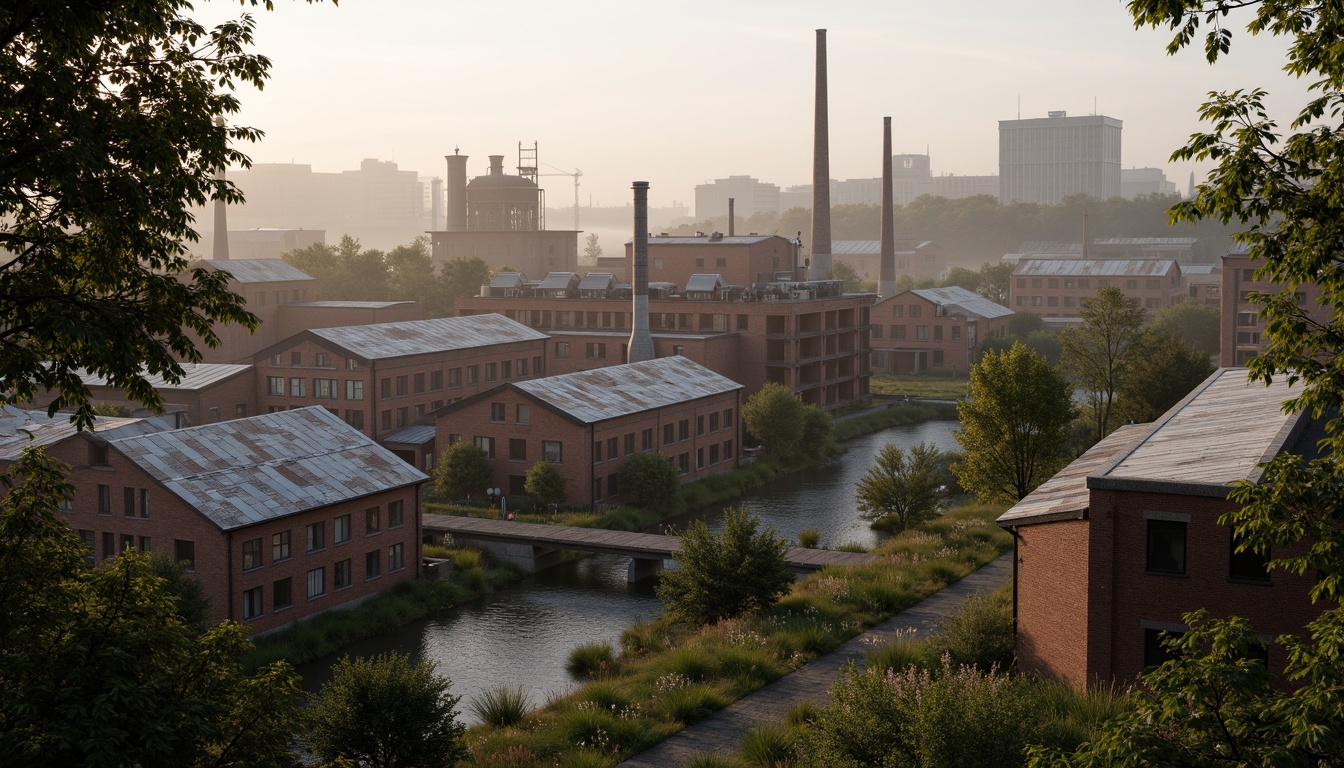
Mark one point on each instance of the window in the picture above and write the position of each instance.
(699, 458)
(418, 385)
(185, 552)
(1166, 542)
(317, 582)
(473, 374)
(145, 545)
(506, 370)
(727, 418)
(317, 536)
(684, 429)
(252, 603)
(355, 419)
(897, 310)
(109, 545)
(1248, 565)
(454, 378)
(915, 310)
(351, 364)
(596, 351)
(522, 366)
(669, 434)
(239, 410)
(597, 488)
(921, 333)
(562, 349)
(128, 502)
(144, 502)
(340, 574)
(279, 546)
(597, 451)
(435, 381)
(385, 417)
(340, 529)
(275, 386)
(714, 454)
(613, 447)
(898, 333)
(727, 450)
(373, 565)
(296, 358)
(281, 593)
(325, 388)
(372, 520)
(396, 516)
(614, 484)
(251, 554)
(523, 414)
(630, 444)
(296, 387)
(86, 538)
(684, 463)
(699, 425)
(212, 414)
(536, 365)
(551, 451)
(646, 440)
(937, 333)
(395, 559)
(403, 416)
(104, 499)
(401, 386)
(1131, 285)
(323, 360)
(1154, 650)
(354, 390)
(956, 333)
(938, 358)
(485, 444)
(497, 412)
(714, 422)
(385, 389)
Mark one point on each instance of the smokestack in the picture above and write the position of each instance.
(455, 192)
(221, 250)
(1085, 238)
(821, 174)
(640, 347)
(732, 220)
(887, 272)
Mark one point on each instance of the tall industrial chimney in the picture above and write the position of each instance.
(455, 192)
(887, 272)
(221, 249)
(732, 218)
(641, 341)
(821, 174)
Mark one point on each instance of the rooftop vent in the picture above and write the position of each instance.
(1057, 113)
(716, 236)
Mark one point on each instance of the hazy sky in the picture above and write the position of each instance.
(681, 92)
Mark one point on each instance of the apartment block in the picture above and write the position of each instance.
(934, 329)
(1056, 288)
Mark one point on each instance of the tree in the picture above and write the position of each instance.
(994, 277)
(854, 282)
(545, 484)
(1014, 425)
(902, 487)
(1192, 323)
(345, 272)
(963, 278)
(463, 277)
(651, 478)
(463, 470)
(95, 276)
(386, 712)
(1024, 324)
(592, 249)
(97, 666)
(774, 416)
(1097, 352)
(410, 277)
(1163, 369)
(818, 435)
(738, 571)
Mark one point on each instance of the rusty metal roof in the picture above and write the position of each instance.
(959, 299)
(21, 429)
(250, 470)
(259, 270)
(1066, 496)
(1094, 267)
(874, 247)
(194, 376)
(417, 337)
(414, 434)
(620, 390)
(348, 304)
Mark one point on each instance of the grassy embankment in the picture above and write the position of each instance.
(667, 675)
(928, 385)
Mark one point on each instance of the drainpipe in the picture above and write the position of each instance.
(228, 538)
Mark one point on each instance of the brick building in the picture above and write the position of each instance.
(916, 259)
(300, 316)
(281, 516)
(808, 336)
(938, 329)
(1203, 284)
(1240, 323)
(1113, 550)
(381, 378)
(1057, 287)
(589, 423)
(265, 285)
(741, 260)
(208, 392)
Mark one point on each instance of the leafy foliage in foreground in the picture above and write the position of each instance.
(735, 572)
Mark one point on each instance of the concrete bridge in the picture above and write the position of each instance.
(534, 547)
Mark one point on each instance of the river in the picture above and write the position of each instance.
(522, 634)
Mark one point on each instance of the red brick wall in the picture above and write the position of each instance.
(294, 318)
(237, 344)
(1035, 293)
(742, 264)
(1052, 600)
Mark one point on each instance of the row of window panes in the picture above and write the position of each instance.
(522, 413)
(552, 451)
(315, 535)
(898, 332)
(282, 590)
(320, 360)
(134, 501)
(1166, 554)
(297, 295)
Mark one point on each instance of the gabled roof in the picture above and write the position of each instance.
(250, 470)
(960, 300)
(557, 280)
(706, 283)
(1094, 267)
(597, 281)
(620, 390)
(259, 270)
(21, 429)
(417, 337)
(507, 279)
(195, 376)
(349, 304)
(1066, 496)
(869, 247)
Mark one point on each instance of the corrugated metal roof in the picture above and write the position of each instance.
(263, 467)
(619, 390)
(1031, 247)
(259, 270)
(967, 302)
(21, 429)
(706, 283)
(507, 279)
(194, 376)
(872, 247)
(1093, 267)
(556, 280)
(418, 337)
(414, 434)
(1188, 270)
(1220, 434)
(1066, 496)
(348, 304)
(725, 240)
(1183, 241)
(597, 281)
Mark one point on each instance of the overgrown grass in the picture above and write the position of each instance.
(898, 416)
(326, 633)
(592, 660)
(932, 385)
(501, 707)
(669, 674)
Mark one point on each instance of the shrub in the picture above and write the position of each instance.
(774, 417)
(768, 746)
(501, 707)
(463, 470)
(651, 478)
(713, 760)
(902, 487)
(809, 538)
(980, 633)
(590, 660)
(740, 570)
(689, 703)
(545, 484)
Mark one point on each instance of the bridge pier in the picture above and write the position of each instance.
(529, 558)
(643, 568)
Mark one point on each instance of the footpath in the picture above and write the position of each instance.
(722, 731)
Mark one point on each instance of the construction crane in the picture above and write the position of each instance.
(575, 175)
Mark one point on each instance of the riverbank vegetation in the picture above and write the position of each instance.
(671, 674)
(928, 385)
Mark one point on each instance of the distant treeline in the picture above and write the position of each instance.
(975, 230)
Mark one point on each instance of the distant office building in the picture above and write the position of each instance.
(1044, 160)
(1144, 181)
(750, 196)
(271, 243)
(904, 190)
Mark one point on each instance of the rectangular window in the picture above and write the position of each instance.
(551, 451)
(317, 536)
(938, 358)
(473, 374)
(490, 371)
(877, 331)
(354, 390)
(279, 546)
(403, 416)
(144, 502)
(684, 462)
(275, 386)
(385, 389)
(109, 545)
(714, 454)
(1166, 545)
(435, 381)
(699, 425)
(340, 529)
(296, 358)
(522, 367)
(498, 412)
(485, 444)
(373, 565)
(296, 387)
(937, 333)
(630, 444)
(699, 458)
(646, 440)
(401, 386)
(517, 449)
(340, 574)
(454, 378)
(597, 488)
(355, 419)
(727, 450)
(921, 333)
(372, 520)
(898, 310)
(562, 349)
(323, 360)
(956, 333)
(506, 369)
(128, 502)
(613, 447)
(1248, 565)
(395, 559)
(282, 594)
(669, 434)
(596, 351)
(104, 499)
(317, 582)
(536, 365)
(418, 385)
(251, 554)
(385, 418)
(684, 429)
(185, 552)
(898, 333)
(597, 451)
(396, 516)
(915, 310)
(1154, 650)
(714, 422)
(252, 606)
(523, 414)
(324, 388)
(351, 364)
